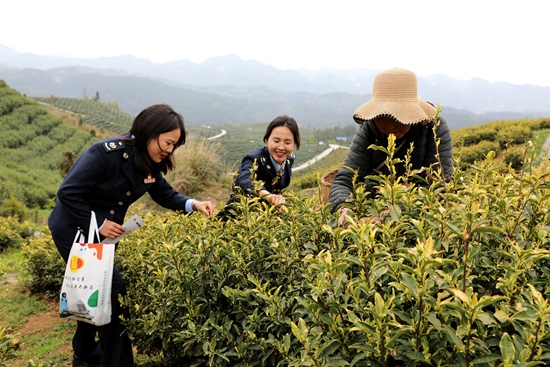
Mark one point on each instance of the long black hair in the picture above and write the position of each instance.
(286, 121)
(149, 124)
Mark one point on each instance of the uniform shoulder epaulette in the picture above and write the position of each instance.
(113, 145)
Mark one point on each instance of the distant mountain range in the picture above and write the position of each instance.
(227, 89)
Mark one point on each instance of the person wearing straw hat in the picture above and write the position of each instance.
(394, 108)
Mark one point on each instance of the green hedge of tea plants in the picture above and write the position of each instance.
(455, 274)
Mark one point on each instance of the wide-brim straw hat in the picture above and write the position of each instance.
(395, 94)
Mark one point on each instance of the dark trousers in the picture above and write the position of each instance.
(114, 347)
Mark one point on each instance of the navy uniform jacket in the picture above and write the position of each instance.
(265, 172)
(104, 179)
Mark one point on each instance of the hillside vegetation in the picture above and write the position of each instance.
(33, 142)
(503, 137)
(31, 145)
(218, 102)
(106, 116)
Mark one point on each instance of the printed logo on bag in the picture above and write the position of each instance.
(93, 300)
(76, 263)
(99, 248)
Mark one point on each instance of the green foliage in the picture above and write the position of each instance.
(504, 132)
(7, 347)
(31, 145)
(32, 363)
(44, 265)
(453, 274)
(14, 232)
(214, 266)
(514, 158)
(106, 115)
(513, 135)
(472, 153)
(12, 208)
(306, 181)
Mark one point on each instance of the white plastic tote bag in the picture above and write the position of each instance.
(86, 290)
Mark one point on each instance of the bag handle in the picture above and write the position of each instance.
(91, 232)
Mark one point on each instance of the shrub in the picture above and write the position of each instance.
(13, 232)
(454, 273)
(221, 293)
(7, 347)
(197, 163)
(12, 208)
(44, 264)
(306, 181)
(513, 135)
(514, 158)
(446, 265)
(472, 153)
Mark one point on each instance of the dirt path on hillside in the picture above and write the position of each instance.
(218, 136)
(321, 155)
(545, 150)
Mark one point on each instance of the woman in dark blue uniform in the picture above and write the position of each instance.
(107, 178)
(274, 163)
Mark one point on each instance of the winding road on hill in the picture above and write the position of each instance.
(218, 136)
(324, 153)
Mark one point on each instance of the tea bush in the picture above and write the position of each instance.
(513, 135)
(14, 232)
(505, 132)
(45, 266)
(454, 274)
(7, 347)
(472, 153)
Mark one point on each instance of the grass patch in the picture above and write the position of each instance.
(11, 266)
(51, 348)
(14, 308)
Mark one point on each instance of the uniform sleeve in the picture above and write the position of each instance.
(88, 169)
(358, 159)
(164, 195)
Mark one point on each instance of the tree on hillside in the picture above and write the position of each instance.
(67, 160)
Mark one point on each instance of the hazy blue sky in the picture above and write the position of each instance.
(494, 40)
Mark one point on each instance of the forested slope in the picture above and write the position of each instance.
(31, 147)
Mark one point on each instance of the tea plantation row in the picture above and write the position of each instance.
(455, 274)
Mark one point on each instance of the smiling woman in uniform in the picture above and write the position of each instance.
(274, 165)
(107, 178)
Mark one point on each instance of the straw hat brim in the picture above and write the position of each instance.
(407, 112)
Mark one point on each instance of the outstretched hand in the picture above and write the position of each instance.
(205, 207)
